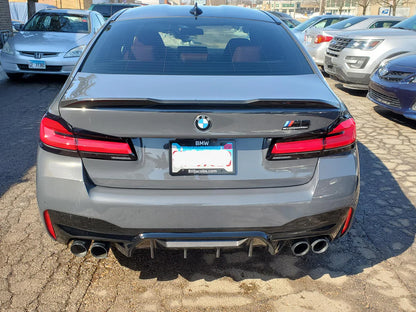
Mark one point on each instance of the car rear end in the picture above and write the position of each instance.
(316, 42)
(202, 140)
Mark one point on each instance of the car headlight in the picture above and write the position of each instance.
(382, 70)
(411, 79)
(365, 45)
(75, 52)
(7, 49)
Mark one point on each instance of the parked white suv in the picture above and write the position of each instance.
(353, 56)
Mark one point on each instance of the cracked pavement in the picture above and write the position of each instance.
(373, 268)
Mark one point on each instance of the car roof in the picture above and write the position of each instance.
(116, 4)
(165, 10)
(335, 16)
(386, 17)
(65, 11)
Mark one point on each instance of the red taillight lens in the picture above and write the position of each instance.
(321, 38)
(347, 222)
(108, 147)
(54, 134)
(48, 224)
(341, 136)
(344, 134)
(298, 146)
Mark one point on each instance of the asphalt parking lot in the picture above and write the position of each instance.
(373, 268)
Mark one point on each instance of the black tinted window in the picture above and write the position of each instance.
(206, 46)
(105, 10)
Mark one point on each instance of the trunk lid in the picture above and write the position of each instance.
(154, 111)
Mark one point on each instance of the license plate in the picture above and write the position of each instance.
(37, 65)
(202, 157)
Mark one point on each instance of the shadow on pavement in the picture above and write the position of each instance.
(383, 228)
(22, 105)
(400, 119)
(353, 92)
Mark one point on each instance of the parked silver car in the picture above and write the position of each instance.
(320, 21)
(50, 42)
(167, 134)
(317, 39)
(352, 57)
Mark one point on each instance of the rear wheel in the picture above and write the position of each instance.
(14, 76)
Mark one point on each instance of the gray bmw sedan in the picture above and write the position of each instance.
(196, 128)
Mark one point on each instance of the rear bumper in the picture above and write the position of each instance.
(79, 209)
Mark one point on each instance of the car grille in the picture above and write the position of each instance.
(384, 99)
(338, 44)
(32, 54)
(48, 68)
(395, 76)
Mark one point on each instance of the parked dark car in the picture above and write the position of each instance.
(108, 9)
(393, 85)
(168, 134)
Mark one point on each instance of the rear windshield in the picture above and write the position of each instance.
(409, 23)
(107, 9)
(58, 22)
(348, 22)
(189, 46)
(306, 24)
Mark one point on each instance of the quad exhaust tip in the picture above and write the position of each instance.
(99, 250)
(319, 245)
(300, 248)
(80, 248)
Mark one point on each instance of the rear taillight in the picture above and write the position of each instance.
(48, 224)
(343, 136)
(347, 222)
(56, 136)
(321, 38)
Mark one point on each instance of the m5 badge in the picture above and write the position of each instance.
(296, 124)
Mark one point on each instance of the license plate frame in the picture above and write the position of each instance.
(35, 64)
(217, 157)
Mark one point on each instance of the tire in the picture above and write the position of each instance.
(14, 76)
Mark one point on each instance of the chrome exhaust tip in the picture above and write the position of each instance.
(99, 250)
(300, 248)
(80, 248)
(320, 245)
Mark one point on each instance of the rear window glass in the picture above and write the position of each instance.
(307, 24)
(58, 22)
(348, 22)
(105, 10)
(189, 46)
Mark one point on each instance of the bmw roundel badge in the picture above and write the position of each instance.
(202, 122)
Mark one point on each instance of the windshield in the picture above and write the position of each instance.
(57, 22)
(306, 24)
(186, 46)
(409, 23)
(347, 23)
